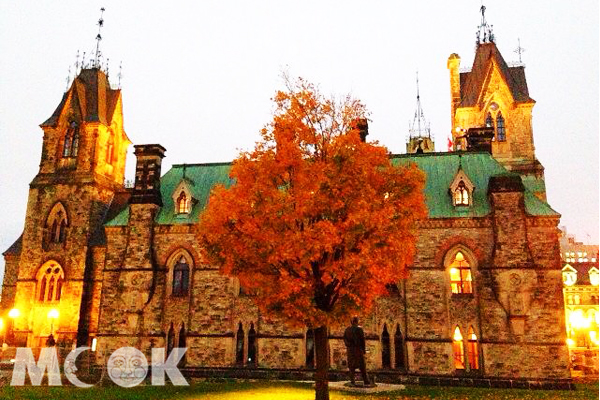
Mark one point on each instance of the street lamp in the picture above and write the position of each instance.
(52, 315)
(13, 314)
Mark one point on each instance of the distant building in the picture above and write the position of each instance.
(580, 288)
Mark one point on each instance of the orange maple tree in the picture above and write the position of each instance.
(318, 221)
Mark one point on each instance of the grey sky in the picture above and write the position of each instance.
(198, 76)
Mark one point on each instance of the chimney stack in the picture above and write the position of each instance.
(146, 189)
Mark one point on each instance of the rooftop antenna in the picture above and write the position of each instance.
(99, 38)
(485, 32)
(519, 50)
(419, 118)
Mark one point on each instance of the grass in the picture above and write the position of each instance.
(244, 390)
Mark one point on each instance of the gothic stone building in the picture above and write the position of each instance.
(122, 265)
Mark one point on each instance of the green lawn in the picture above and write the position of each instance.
(232, 390)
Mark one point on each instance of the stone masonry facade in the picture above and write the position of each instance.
(111, 263)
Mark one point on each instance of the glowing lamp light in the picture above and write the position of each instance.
(14, 313)
(53, 313)
(94, 344)
(570, 342)
(593, 337)
(1, 324)
(577, 320)
(457, 335)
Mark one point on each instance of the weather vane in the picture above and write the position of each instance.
(485, 32)
(519, 50)
(99, 38)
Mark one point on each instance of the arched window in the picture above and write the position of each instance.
(461, 195)
(252, 350)
(310, 348)
(460, 275)
(489, 121)
(500, 128)
(170, 339)
(71, 142)
(183, 203)
(239, 345)
(399, 349)
(56, 225)
(110, 150)
(577, 299)
(473, 350)
(50, 279)
(181, 277)
(458, 349)
(386, 361)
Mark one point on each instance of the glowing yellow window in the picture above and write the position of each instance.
(473, 350)
(458, 349)
(183, 203)
(460, 275)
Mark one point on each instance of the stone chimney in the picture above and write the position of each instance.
(146, 189)
(363, 127)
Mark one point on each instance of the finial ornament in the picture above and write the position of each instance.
(120, 74)
(69, 78)
(519, 50)
(98, 39)
(485, 32)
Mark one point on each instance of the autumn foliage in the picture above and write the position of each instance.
(317, 221)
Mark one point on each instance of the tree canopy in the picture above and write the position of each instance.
(317, 221)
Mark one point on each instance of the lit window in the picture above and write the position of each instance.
(569, 275)
(489, 121)
(460, 275)
(500, 128)
(181, 277)
(458, 349)
(109, 151)
(473, 350)
(579, 254)
(593, 276)
(577, 299)
(580, 259)
(50, 282)
(183, 203)
(461, 195)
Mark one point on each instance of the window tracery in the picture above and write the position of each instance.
(50, 282)
(460, 275)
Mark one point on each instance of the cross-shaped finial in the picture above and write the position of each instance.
(99, 38)
(519, 50)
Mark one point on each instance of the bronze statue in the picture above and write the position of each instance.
(354, 339)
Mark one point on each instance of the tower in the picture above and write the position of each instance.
(82, 167)
(495, 95)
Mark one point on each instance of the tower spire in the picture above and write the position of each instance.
(419, 140)
(519, 50)
(98, 39)
(485, 32)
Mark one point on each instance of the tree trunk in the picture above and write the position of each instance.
(322, 353)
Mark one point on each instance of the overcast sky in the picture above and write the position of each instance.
(198, 76)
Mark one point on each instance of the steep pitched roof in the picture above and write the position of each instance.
(471, 83)
(15, 248)
(91, 99)
(440, 169)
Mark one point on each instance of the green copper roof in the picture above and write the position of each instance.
(440, 168)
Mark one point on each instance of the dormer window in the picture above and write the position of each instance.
(461, 190)
(183, 203)
(569, 275)
(461, 195)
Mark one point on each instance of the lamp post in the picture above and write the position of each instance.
(13, 314)
(52, 315)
